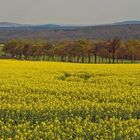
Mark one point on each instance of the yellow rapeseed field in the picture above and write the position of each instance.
(54, 101)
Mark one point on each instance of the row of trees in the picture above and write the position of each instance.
(83, 50)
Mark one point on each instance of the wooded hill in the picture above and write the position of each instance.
(103, 32)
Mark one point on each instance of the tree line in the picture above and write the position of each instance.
(84, 50)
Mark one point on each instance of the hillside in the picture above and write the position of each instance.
(57, 32)
(14, 25)
(127, 22)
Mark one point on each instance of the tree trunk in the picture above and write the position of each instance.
(37, 58)
(20, 56)
(117, 60)
(78, 58)
(89, 58)
(99, 58)
(133, 58)
(83, 57)
(113, 56)
(43, 57)
(62, 58)
(66, 58)
(34, 58)
(109, 58)
(95, 56)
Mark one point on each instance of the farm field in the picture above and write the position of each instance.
(55, 100)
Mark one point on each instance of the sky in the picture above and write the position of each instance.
(78, 12)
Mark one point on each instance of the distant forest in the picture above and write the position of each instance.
(77, 51)
(104, 32)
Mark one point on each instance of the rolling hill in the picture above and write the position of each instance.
(124, 30)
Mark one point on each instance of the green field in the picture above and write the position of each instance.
(54, 100)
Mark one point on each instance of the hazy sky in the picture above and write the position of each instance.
(69, 11)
